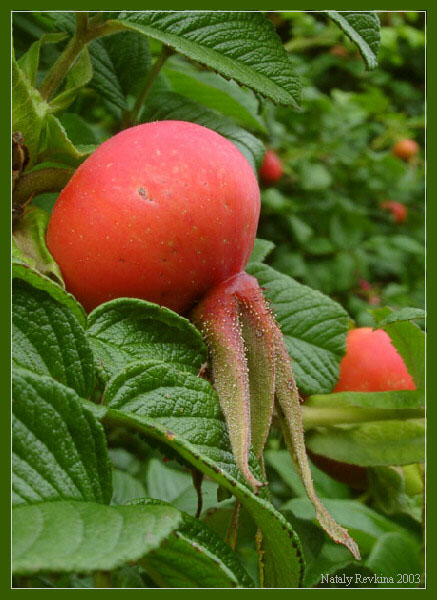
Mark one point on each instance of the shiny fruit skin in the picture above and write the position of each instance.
(271, 169)
(398, 210)
(372, 364)
(163, 212)
(405, 149)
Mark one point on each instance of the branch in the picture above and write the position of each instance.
(82, 36)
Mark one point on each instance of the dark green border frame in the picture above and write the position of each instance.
(5, 239)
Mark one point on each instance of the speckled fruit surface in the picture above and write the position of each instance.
(163, 211)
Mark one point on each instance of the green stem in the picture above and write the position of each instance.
(326, 417)
(81, 24)
(83, 34)
(61, 67)
(131, 117)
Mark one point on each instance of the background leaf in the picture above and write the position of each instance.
(261, 250)
(313, 325)
(384, 443)
(214, 92)
(395, 556)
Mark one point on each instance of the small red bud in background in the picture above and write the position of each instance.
(398, 210)
(271, 170)
(405, 149)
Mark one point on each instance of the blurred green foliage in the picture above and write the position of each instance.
(325, 216)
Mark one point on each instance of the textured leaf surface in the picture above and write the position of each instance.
(239, 45)
(376, 443)
(362, 28)
(214, 92)
(66, 536)
(48, 339)
(126, 330)
(131, 60)
(194, 557)
(105, 80)
(29, 237)
(169, 105)
(182, 411)
(41, 282)
(59, 449)
(313, 325)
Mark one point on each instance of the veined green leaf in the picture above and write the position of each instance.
(194, 557)
(68, 536)
(182, 411)
(41, 282)
(127, 330)
(55, 146)
(395, 556)
(239, 45)
(48, 339)
(59, 448)
(363, 29)
(79, 75)
(313, 325)
(214, 92)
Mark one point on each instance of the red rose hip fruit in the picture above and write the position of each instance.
(271, 169)
(372, 364)
(405, 149)
(163, 211)
(399, 211)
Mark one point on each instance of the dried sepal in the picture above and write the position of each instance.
(217, 317)
(290, 417)
(256, 327)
